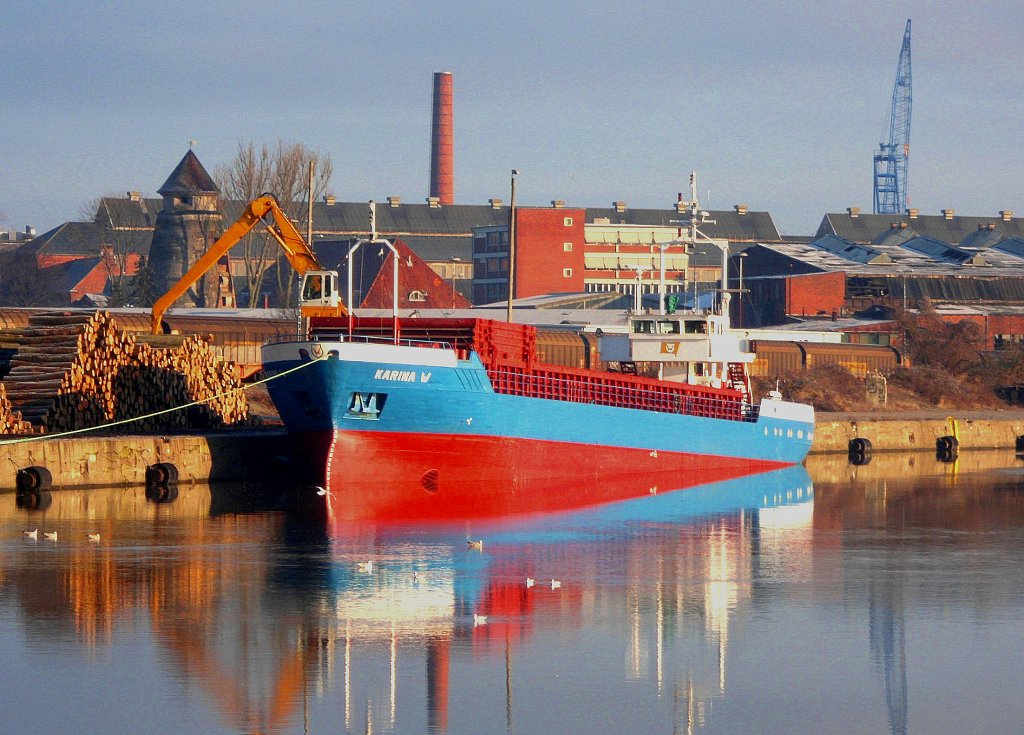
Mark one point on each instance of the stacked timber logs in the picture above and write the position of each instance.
(10, 420)
(79, 371)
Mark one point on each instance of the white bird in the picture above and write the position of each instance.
(320, 491)
(479, 619)
(366, 566)
(94, 537)
(530, 581)
(555, 584)
(478, 544)
(32, 534)
(51, 535)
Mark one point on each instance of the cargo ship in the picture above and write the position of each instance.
(451, 418)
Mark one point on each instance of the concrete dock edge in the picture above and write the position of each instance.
(106, 461)
(909, 432)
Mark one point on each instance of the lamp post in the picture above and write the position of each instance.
(453, 266)
(742, 257)
(512, 245)
(637, 295)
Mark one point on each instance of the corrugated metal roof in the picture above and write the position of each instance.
(937, 250)
(894, 236)
(1013, 246)
(851, 251)
(925, 260)
(982, 239)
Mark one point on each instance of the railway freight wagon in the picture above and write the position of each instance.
(568, 348)
(774, 359)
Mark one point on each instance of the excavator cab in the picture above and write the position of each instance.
(320, 294)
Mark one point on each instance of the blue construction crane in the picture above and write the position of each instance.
(893, 156)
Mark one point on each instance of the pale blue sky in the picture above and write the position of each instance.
(776, 105)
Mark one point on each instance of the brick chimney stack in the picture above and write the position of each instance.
(442, 141)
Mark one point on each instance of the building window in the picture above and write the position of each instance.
(567, 247)
(567, 272)
(567, 221)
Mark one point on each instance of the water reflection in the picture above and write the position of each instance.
(676, 612)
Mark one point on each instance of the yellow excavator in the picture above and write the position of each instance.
(320, 293)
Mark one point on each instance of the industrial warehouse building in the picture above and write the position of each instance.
(980, 278)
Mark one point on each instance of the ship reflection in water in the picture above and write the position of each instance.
(884, 600)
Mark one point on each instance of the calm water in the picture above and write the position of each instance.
(886, 598)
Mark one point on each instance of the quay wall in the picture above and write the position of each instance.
(112, 461)
(107, 461)
(903, 432)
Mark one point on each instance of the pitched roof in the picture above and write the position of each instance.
(728, 224)
(415, 277)
(372, 274)
(865, 227)
(188, 178)
(85, 239)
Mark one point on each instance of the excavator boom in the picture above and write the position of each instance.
(299, 254)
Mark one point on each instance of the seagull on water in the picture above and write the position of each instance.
(477, 544)
(365, 566)
(555, 584)
(479, 619)
(51, 535)
(94, 537)
(34, 534)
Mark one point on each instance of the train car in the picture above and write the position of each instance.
(858, 359)
(569, 348)
(778, 358)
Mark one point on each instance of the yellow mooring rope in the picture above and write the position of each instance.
(47, 437)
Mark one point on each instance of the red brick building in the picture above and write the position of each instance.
(617, 250)
(549, 255)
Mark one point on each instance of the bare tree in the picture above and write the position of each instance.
(931, 341)
(282, 171)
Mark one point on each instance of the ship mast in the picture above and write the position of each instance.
(695, 219)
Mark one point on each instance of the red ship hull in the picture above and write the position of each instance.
(429, 476)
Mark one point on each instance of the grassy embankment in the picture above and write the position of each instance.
(950, 368)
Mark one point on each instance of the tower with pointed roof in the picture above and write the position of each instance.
(188, 223)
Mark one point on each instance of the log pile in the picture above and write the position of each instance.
(76, 371)
(11, 421)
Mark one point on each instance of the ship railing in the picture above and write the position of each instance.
(670, 399)
(380, 339)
